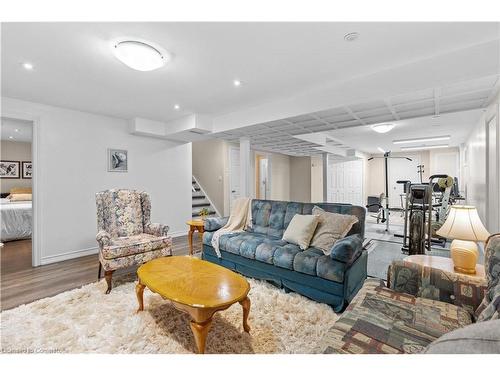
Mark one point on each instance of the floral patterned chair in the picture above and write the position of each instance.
(126, 237)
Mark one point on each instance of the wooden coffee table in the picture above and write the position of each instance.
(197, 287)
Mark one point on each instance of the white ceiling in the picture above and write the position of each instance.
(458, 106)
(19, 130)
(458, 125)
(75, 68)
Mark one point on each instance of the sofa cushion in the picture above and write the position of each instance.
(300, 230)
(126, 246)
(306, 261)
(261, 214)
(265, 251)
(380, 320)
(284, 256)
(331, 228)
(478, 338)
(330, 269)
(277, 219)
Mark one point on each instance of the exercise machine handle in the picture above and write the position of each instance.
(403, 181)
(438, 176)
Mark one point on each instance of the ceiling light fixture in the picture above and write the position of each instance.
(428, 139)
(383, 128)
(16, 130)
(27, 66)
(177, 107)
(11, 137)
(140, 55)
(381, 150)
(423, 147)
(237, 83)
(351, 37)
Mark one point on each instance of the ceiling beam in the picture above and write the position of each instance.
(350, 111)
(391, 109)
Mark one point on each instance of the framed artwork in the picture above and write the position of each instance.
(117, 160)
(27, 169)
(9, 169)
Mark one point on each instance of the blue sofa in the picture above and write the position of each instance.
(260, 252)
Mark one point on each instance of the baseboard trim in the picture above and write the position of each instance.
(178, 233)
(68, 255)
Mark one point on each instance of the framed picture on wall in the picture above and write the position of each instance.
(117, 160)
(27, 169)
(9, 169)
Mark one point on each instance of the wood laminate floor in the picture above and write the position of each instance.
(21, 283)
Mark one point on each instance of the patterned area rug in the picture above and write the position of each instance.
(85, 320)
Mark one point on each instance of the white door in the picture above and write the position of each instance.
(493, 217)
(234, 174)
(401, 169)
(345, 182)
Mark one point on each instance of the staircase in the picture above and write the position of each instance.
(200, 201)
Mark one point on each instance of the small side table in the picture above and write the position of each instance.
(195, 225)
(443, 264)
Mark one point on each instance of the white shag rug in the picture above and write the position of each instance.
(85, 320)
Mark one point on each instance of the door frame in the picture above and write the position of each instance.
(36, 236)
(258, 156)
(492, 115)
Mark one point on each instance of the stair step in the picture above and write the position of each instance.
(202, 204)
(199, 195)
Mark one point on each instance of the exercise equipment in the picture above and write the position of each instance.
(383, 214)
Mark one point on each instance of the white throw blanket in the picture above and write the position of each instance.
(239, 220)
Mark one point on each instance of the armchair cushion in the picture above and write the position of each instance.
(155, 229)
(126, 246)
(214, 223)
(347, 249)
(490, 306)
(427, 282)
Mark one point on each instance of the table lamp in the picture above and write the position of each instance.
(465, 228)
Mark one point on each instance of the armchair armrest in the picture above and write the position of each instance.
(156, 229)
(214, 223)
(432, 283)
(103, 238)
(347, 249)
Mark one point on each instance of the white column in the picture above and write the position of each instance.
(245, 169)
(325, 176)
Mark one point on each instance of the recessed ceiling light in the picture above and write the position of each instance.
(27, 66)
(11, 137)
(237, 82)
(428, 139)
(177, 107)
(423, 147)
(381, 150)
(140, 55)
(16, 130)
(383, 128)
(351, 37)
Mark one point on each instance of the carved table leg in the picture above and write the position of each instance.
(190, 240)
(246, 311)
(200, 332)
(108, 275)
(139, 292)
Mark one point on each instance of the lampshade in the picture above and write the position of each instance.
(463, 223)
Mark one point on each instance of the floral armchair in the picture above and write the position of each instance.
(126, 236)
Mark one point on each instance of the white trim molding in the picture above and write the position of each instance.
(69, 255)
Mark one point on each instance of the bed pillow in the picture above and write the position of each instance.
(20, 197)
(331, 228)
(300, 230)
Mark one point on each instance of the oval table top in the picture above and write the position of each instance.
(193, 282)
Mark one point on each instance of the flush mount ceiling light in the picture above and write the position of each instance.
(428, 139)
(177, 107)
(140, 55)
(237, 83)
(423, 147)
(27, 66)
(351, 37)
(382, 128)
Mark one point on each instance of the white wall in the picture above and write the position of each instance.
(280, 177)
(317, 179)
(475, 172)
(300, 178)
(73, 167)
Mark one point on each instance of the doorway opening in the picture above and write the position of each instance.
(262, 177)
(16, 187)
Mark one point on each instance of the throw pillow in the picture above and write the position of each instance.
(331, 228)
(300, 230)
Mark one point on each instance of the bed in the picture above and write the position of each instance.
(16, 219)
